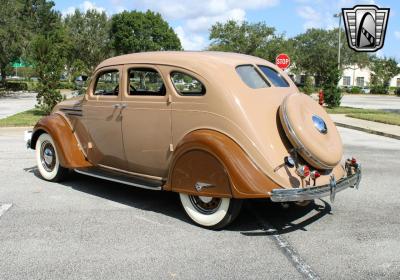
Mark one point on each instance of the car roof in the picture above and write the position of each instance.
(186, 59)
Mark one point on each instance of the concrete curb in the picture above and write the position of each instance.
(371, 131)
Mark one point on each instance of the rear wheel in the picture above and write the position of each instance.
(210, 212)
(47, 159)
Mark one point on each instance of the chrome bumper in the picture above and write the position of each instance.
(285, 195)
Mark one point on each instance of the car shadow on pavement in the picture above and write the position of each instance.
(258, 217)
(273, 218)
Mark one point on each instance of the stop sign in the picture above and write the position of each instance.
(282, 61)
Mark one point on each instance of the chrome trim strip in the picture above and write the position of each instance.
(284, 195)
(296, 139)
(133, 173)
(119, 181)
(71, 109)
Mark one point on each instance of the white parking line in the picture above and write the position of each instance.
(4, 208)
(288, 250)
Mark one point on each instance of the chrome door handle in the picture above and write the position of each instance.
(123, 106)
(116, 106)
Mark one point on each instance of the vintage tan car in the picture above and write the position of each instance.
(214, 127)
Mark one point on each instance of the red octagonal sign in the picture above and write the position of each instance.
(282, 61)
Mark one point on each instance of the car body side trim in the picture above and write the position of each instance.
(125, 182)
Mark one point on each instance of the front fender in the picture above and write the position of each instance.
(245, 179)
(69, 152)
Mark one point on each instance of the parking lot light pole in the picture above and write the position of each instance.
(339, 15)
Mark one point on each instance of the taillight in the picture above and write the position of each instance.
(303, 171)
(315, 174)
(353, 161)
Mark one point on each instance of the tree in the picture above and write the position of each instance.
(88, 37)
(383, 69)
(11, 39)
(140, 32)
(316, 52)
(256, 39)
(47, 51)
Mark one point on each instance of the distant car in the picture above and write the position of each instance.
(365, 90)
(15, 78)
(214, 127)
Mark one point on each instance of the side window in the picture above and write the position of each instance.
(251, 77)
(145, 81)
(275, 78)
(107, 83)
(187, 85)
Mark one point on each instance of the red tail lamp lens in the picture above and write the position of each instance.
(315, 174)
(306, 171)
(353, 161)
(303, 171)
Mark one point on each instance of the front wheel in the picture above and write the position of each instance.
(47, 159)
(210, 212)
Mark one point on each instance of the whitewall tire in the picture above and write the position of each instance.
(47, 159)
(210, 212)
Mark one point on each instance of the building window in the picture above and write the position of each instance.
(360, 81)
(346, 80)
(398, 82)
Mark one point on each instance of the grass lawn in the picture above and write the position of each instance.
(367, 114)
(27, 118)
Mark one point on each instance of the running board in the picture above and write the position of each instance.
(123, 179)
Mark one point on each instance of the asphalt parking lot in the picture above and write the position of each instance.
(86, 228)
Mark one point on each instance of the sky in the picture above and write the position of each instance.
(192, 20)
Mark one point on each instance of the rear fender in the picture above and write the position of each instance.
(212, 158)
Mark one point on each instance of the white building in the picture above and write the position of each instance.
(395, 81)
(352, 76)
(355, 76)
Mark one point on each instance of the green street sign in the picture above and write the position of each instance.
(19, 64)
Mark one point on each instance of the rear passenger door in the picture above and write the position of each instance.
(146, 121)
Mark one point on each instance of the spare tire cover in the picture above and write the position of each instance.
(310, 130)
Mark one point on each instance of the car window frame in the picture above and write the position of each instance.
(191, 94)
(263, 77)
(128, 67)
(93, 84)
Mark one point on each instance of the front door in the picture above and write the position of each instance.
(102, 119)
(146, 121)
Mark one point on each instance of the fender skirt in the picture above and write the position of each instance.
(210, 163)
(69, 152)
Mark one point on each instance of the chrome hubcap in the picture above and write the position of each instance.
(48, 156)
(204, 204)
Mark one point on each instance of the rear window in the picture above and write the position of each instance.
(251, 77)
(275, 78)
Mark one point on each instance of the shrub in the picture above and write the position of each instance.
(332, 96)
(332, 93)
(355, 90)
(66, 85)
(379, 89)
(308, 86)
(397, 91)
(16, 86)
